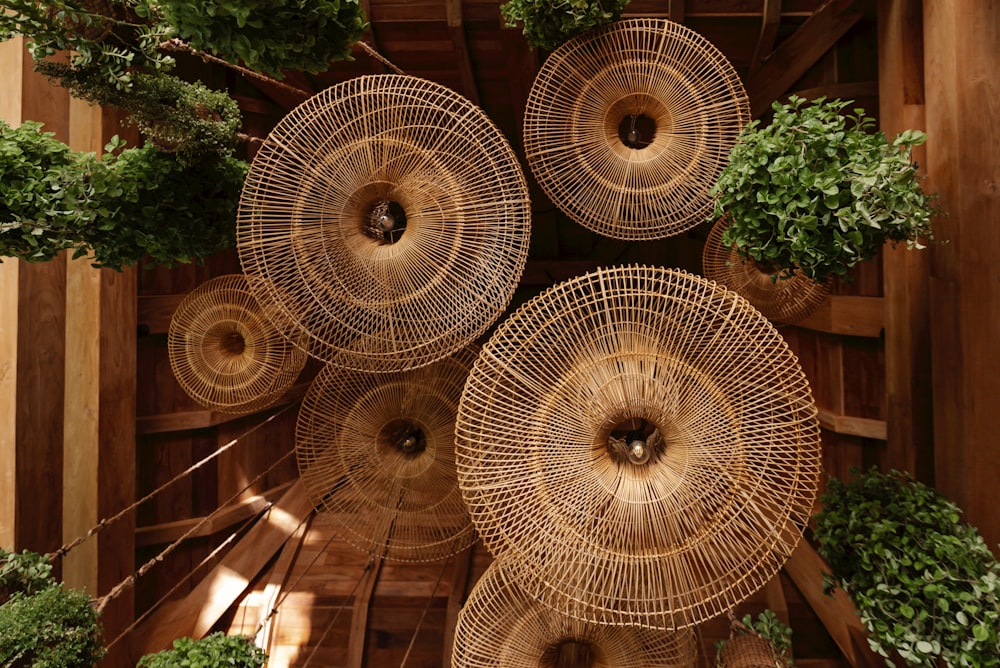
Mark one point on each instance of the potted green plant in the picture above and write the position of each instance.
(761, 642)
(50, 628)
(549, 23)
(25, 572)
(212, 651)
(925, 584)
(817, 191)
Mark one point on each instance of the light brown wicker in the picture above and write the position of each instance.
(745, 648)
(500, 626)
(668, 84)
(642, 444)
(783, 302)
(225, 353)
(391, 220)
(377, 452)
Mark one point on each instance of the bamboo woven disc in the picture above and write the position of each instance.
(689, 106)
(444, 184)
(225, 353)
(391, 498)
(500, 626)
(783, 302)
(725, 481)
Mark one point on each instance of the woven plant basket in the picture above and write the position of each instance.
(641, 444)
(376, 451)
(783, 302)
(500, 626)
(225, 353)
(391, 220)
(627, 127)
(745, 648)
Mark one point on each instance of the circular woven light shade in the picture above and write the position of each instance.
(627, 127)
(225, 353)
(642, 444)
(377, 451)
(783, 302)
(391, 220)
(500, 626)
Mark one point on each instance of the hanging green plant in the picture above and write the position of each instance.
(817, 191)
(267, 37)
(52, 628)
(753, 641)
(925, 584)
(549, 23)
(25, 572)
(212, 651)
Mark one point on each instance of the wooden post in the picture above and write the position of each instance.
(961, 57)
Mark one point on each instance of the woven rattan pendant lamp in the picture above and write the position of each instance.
(225, 353)
(388, 219)
(643, 446)
(627, 127)
(376, 451)
(500, 626)
(783, 302)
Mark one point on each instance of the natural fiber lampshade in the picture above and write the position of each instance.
(500, 626)
(783, 302)
(377, 451)
(627, 127)
(642, 445)
(225, 353)
(390, 218)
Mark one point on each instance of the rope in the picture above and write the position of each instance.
(350, 596)
(62, 551)
(379, 57)
(176, 44)
(423, 615)
(130, 580)
(184, 579)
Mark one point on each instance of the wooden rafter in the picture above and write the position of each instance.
(676, 11)
(359, 615)
(457, 31)
(768, 33)
(456, 597)
(377, 66)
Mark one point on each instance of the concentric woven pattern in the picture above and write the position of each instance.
(368, 298)
(688, 105)
(500, 626)
(391, 497)
(720, 407)
(783, 302)
(225, 353)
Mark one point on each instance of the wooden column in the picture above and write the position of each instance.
(906, 273)
(32, 324)
(961, 58)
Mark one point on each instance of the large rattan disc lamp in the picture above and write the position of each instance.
(642, 444)
(225, 353)
(783, 301)
(627, 127)
(500, 626)
(377, 452)
(388, 218)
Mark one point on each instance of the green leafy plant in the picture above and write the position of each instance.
(25, 573)
(549, 23)
(269, 36)
(52, 628)
(924, 583)
(212, 651)
(817, 191)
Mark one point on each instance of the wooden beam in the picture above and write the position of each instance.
(272, 591)
(456, 597)
(183, 421)
(770, 19)
(849, 315)
(195, 614)
(676, 11)
(457, 30)
(359, 616)
(800, 51)
(852, 426)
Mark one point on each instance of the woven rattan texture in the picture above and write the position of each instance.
(500, 626)
(225, 353)
(403, 505)
(722, 406)
(374, 300)
(783, 302)
(748, 651)
(582, 103)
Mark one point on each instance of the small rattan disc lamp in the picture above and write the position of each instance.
(500, 626)
(643, 446)
(225, 353)
(783, 302)
(627, 127)
(377, 452)
(390, 218)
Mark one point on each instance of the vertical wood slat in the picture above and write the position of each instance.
(359, 616)
(768, 33)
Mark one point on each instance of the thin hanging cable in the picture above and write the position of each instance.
(350, 596)
(130, 580)
(182, 46)
(379, 57)
(423, 615)
(187, 577)
(62, 551)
